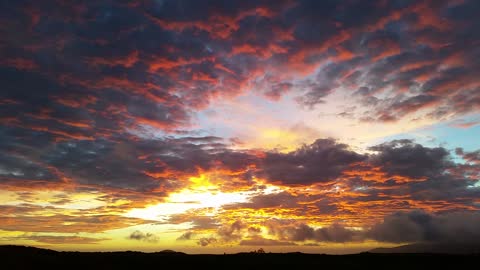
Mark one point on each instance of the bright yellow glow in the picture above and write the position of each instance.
(181, 202)
(276, 134)
(282, 140)
(201, 182)
(201, 193)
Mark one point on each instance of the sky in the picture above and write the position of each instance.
(227, 126)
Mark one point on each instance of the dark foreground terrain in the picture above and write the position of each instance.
(19, 257)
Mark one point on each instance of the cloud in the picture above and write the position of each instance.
(473, 157)
(232, 231)
(396, 175)
(301, 232)
(186, 236)
(206, 241)
(275, 200)
(114, 163)
(419, 226)
(18, 167)
(198, 222)
(404, 157)
(106, 98)
(415, 226)
(73, 223)
(55, 239)
(334, 233)
(141, 236)
(213, 53)
(461, 123)
(65, 239)
(322, 161)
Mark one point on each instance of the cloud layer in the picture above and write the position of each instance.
(104, 103)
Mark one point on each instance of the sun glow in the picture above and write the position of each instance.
(201, 183)
(201, 193)
(282, 140)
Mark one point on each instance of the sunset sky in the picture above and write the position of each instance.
(227, 126)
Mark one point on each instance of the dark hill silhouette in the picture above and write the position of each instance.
(20, 257)
(13, 249)
(170, 252)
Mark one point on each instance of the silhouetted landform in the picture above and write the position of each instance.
(170, 252)
(20, 257)
(434, 248)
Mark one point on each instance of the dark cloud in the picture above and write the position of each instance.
(275, 200)
(334, 233)
(141, 236)
(115, 162)
(232, 231)
(322, 161)
(186, 236)
(401, 227)
(407, 158)
(403, 106)
(17, 168)
(416, 226)
(395, 175)
(66, 54)
(206, 241)
(327, 80)
(419, 226)
(473, 156)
